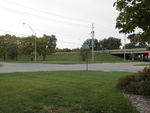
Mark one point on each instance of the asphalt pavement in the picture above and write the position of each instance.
(32, 67)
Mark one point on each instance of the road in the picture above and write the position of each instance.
(31, 67)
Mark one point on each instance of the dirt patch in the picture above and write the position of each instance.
(60, 109)
(142, 103)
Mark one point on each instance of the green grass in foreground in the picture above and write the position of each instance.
(72, 58)
(62, 92)
(142, 65)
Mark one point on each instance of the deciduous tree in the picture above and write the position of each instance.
(28, 46)
(51, 42)
(110, 43)
(134, 14)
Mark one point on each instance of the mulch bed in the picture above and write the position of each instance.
(142, 103)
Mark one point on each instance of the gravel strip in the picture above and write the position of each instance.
(142, 103)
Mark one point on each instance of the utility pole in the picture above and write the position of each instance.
(92, 42)
(124, 47)
(35, 46)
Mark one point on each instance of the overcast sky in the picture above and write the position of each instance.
(69, 20)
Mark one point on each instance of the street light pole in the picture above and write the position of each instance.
(92, 42)
(124, 47)
(35, 46)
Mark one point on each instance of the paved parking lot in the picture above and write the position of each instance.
(31, 67)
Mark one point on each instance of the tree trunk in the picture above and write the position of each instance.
(44, 57)
(16, 57)
(4, 57)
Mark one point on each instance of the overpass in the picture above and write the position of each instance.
(141, 54)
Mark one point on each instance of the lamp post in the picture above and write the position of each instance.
(35, 47)
(124, 47)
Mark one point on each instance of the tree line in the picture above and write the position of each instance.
(105, 44)
(115, 43)
(11, 46)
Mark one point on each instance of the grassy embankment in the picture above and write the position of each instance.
(73, 58)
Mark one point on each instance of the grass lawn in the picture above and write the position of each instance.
(142, 65)
(62, 92)
(72, 58)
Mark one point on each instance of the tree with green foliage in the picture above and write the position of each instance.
(135, 43)
(65, 50)
(51, 42)
(42, 47)
(134, 14)
(28, 46)
(75, 50)
(130, 46)
(12, 46)
(89, 43)
(46, 45)
(110, 43)
(13, 49)
(3, 47)
(9, 47)
(85, 54)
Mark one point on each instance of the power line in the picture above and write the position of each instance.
(72, 43)
(92, 42)
(45, 12)
(42, 17)
(51, 14)
(67, 42)
(12, 32)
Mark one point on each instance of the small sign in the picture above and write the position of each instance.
(86, 46)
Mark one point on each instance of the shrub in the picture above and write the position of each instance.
(136, 84)
(124, 82)
(148, 48)
(84, 54)
(145, 74)
(144, 88)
